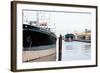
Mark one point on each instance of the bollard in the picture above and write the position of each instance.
(60, 48)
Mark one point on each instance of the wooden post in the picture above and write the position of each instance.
(60, 48)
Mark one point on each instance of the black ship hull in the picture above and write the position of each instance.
(35, 36)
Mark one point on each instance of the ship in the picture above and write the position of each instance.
(37, 36)
(69, 37)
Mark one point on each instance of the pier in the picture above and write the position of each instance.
(39, 55)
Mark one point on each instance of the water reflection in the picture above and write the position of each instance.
(76, 50)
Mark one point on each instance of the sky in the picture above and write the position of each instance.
(61, 22)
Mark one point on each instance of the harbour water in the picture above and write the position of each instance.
(76, 51)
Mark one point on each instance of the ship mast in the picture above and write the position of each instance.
(37, 19)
